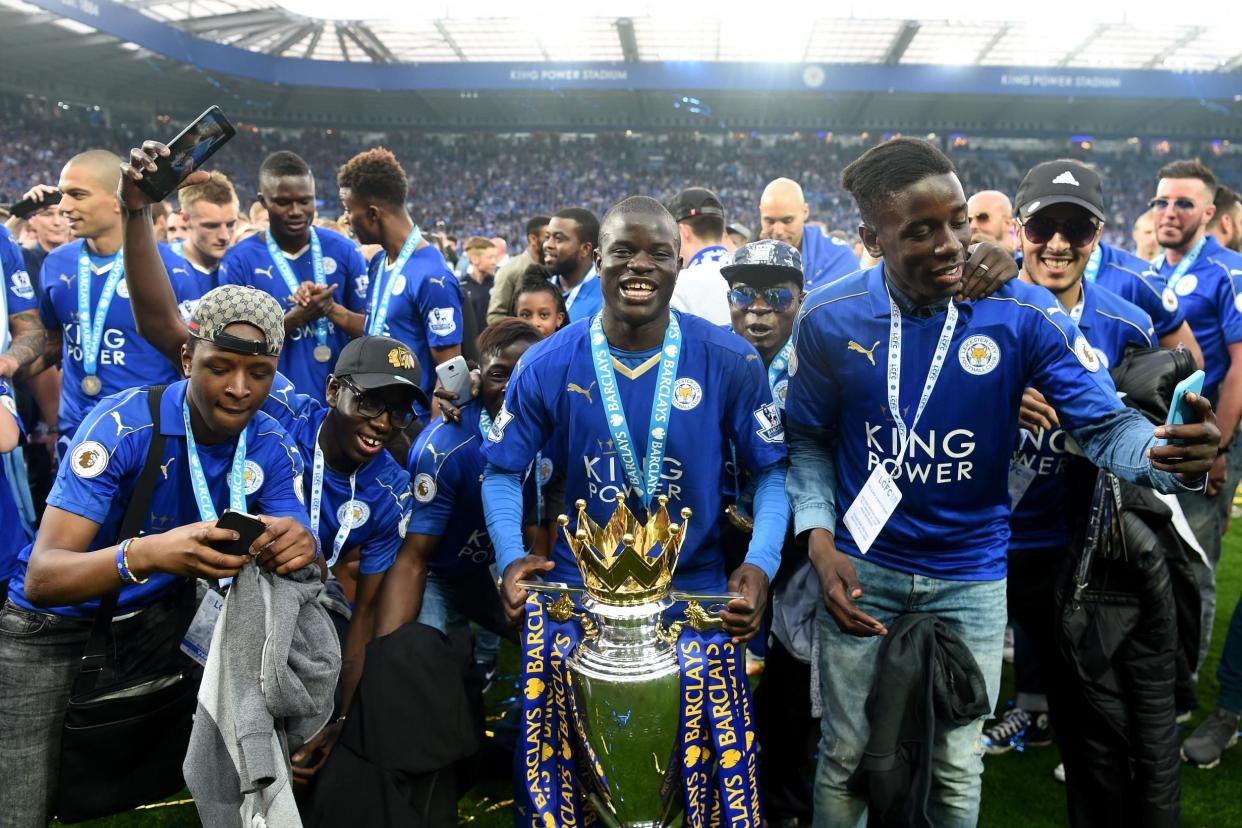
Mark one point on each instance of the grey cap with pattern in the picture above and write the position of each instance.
(228, 304)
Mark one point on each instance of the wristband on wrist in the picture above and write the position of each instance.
(122, 564)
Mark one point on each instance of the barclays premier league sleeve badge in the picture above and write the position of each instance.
(771, 429)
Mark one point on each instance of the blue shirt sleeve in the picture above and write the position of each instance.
(281, 493)
(1230, 318)
(811, 415)
(439, 303)
(10, 404)
(430, 512)
(523, 424)
(754, 421)
(771, 521)
(502, 503)
(21, 294)
(99, 467)
(356, 278)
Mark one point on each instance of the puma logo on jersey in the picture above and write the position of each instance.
(435, 281)
(436, 456)
(578, 389)
(121, 428)
(164, 466)
(868, 353)
(266, 271)
(181, 270)
(67, 279)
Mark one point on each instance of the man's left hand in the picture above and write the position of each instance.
(989, 267)
(742, 616)
(1195, 454)
(285, 547)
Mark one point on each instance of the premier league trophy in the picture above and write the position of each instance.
(635, 687)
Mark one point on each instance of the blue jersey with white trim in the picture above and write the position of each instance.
(1041, 518)
(249, 263)
(953, 519)
(825, 257)
(1129, 277)
(381, 503)
(721, 394)
(19, 292)
(97, 478)
(446, 470)
(425, 309)
(13, 534)
(1205, 294)
(126, 360)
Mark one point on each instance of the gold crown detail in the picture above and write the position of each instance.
(624, 562)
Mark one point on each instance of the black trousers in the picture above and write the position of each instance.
(787, 735)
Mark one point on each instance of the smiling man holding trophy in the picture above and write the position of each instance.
(649, 678)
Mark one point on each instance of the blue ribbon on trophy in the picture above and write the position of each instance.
(620, 708)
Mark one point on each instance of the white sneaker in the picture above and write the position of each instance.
(1058, 773)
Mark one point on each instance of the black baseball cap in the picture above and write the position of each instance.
(373, 362)
(695, 201)
(1061, 182)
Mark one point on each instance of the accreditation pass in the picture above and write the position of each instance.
(872, 508)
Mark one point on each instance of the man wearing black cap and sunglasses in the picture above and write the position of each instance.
(1060, 219)
(701, 290)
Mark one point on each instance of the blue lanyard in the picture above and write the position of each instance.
(378, 311)
(715, 253)
(178, 247)
(661, 407)
(198, 480)
(316, 501)
(779, 363)
(291, 281)
(91, 329)
(1187, 262)
(485, 425)
(1093, 265)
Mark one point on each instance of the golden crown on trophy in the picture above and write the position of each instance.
(624, 562)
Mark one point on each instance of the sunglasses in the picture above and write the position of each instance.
(778, 299)
(1078, 232)
(369, 408)
(1181, 205)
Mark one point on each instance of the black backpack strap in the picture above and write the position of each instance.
(95, 656)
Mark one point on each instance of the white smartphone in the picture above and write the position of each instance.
(455, 376)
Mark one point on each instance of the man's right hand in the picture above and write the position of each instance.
(513, 596)
(1035, 415)
(186, 551)
(840, 586)
(142, 160)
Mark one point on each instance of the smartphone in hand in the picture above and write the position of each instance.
(187, 153)
(1180, 411)
(246, 525)
(454, 375)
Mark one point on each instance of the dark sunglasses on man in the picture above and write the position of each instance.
(371, 407)
(1077, 231)
(778, 299)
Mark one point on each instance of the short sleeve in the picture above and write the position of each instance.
(435, 493)
(1066, 370)
(357, 278)
(754, 421)
(814, 395)
(522, 426)
(439, 305)
(281, 493)
(21, 292)
(380, 548)
(1160, 303)
(10, 403)
(99, 467)
(1230, 318)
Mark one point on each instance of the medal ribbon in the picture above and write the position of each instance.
(91, 329)
(780, 363)
(661, 408)
(198, 480)
(894, 371)
(316, 499)
(1187, 262)
(377, 310)
(291, 281)
(549, 787)
(1093, 265)
(178, 247)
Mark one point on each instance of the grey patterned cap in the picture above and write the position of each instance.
(228, 304)
(765, 261)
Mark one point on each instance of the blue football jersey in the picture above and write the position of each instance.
(19, 293)
(721, 393)
(1205, 294)
(126, 360)
(1133, 279)
(587, 298)
(953, 519)
(825, 257)
(101, 468)
(424, 310)
(250, 263)
(13, 534)
(446, 470)
(1041, 518)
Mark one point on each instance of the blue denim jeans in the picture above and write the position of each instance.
(976, 612)
(39, 656)
(452, 602)
(1203, 513)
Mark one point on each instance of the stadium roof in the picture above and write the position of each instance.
(1055, 33)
